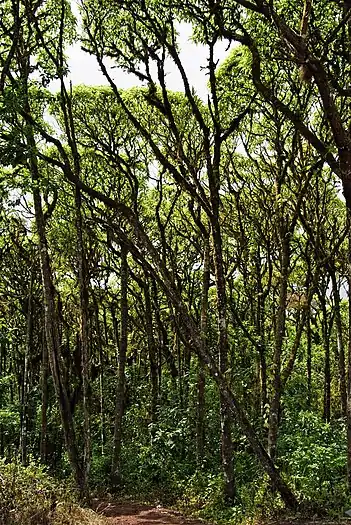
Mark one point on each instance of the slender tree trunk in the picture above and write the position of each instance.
(346, 164)
(52, 339)
(52, 331)
(152, 351)
(226, 439)
(177, 352)
(101, 377)
(349, 357)
(44, 400)
(186, 374)
(2, 372)
(327, 381)
(201, 379)
(120, 401)
(84, 338)
(189, 332)
(52, 328)
(273, 421)
(163, 337)
(348, 415)
(116, 337)
(340, 344)
(104, 317)
(260, 333)
(25, 386)
(327, 373)
(309, 360)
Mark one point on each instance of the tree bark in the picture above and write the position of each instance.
(326, 330)
(223, 348)
(120, 399)
(51, 318)
(101, 376)
(25, 386)
(53, 343)
(84, 338)
(347, 195)
(309, 361)
(201, 379)
(152, 351)
(340, 344)
(44, 399)
(348, 418)
(260, 333)
(273, 421)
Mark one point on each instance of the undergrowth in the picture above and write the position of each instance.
(30, 496)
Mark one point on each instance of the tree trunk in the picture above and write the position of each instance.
(44, 399)
(347, 195)
(53, 343)
(273, 421)
(327, 381)
(201, 379)
(326, 329)
(259, 318)
(348, 418)
(340, 344)
(190, 333)
(163, 338)
(152, 351)
(120, 401)
(177, 352)
(223, 347)
(52, 328)
(25, 386)
(101, 376)
(309, 361)
(84, 338)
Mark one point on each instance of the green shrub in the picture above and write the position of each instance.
(314, 457)
(29, 496)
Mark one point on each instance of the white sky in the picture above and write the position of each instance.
(85, 70)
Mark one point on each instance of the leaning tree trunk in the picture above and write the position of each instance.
(190, 333)
(51, 316)
(53, 343)
(52, 325)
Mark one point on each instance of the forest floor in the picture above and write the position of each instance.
(130, 513)
(119, 513)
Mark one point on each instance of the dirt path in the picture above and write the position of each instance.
(137, 514)
(127, 513)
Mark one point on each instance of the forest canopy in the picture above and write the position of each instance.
(175, 311)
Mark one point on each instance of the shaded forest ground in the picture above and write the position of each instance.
(129, 513)
(132, 513)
